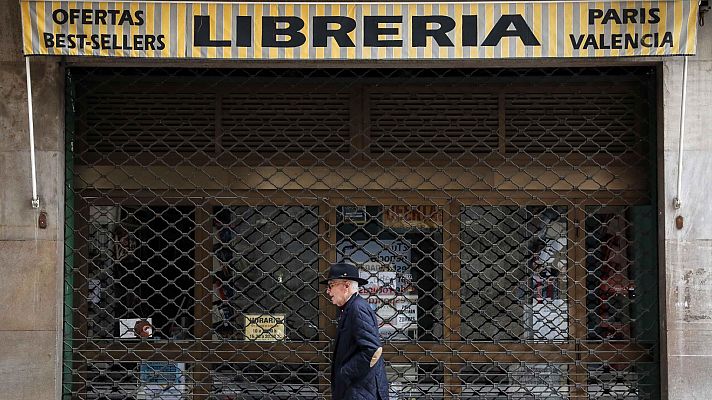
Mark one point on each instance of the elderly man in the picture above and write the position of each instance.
(357, 368)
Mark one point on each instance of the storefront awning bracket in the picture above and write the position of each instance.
(704, 8)
(35, 197)
(677, 201)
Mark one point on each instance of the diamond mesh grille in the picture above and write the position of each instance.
(505, 220)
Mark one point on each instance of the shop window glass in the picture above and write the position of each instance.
(621, 301)
(611, 280)
(514, 381)
(140, 279)
(620, 381)
(399, 250)
(138, 380)
(258, 381)
(265, 273)
(410, 381)
(514, 273)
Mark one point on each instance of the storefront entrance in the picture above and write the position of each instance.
(505, 219)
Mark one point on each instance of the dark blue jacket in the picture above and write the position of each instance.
(357, 340)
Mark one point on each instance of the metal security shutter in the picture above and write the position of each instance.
(505, 218)
(119, 121)
(603, 122)
(440, 121)
(263, 122)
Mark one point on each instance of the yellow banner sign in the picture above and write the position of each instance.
(360, 31)
(264, 327)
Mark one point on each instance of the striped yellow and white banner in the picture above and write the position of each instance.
(359, 31)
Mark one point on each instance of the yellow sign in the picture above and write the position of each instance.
(412, 217)
(360, 31)
(264, 327)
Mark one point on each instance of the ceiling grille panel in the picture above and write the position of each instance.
(396, 121)
(286, 122)
(156, 122)
(427, 123)
(587, 123)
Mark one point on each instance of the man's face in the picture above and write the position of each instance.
(338, 291)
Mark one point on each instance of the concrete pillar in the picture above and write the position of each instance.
(30, 258)
(687, 314)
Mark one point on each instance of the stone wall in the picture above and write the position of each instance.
(687, 317)
(30, 258)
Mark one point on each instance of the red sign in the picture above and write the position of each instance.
(413, 216)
